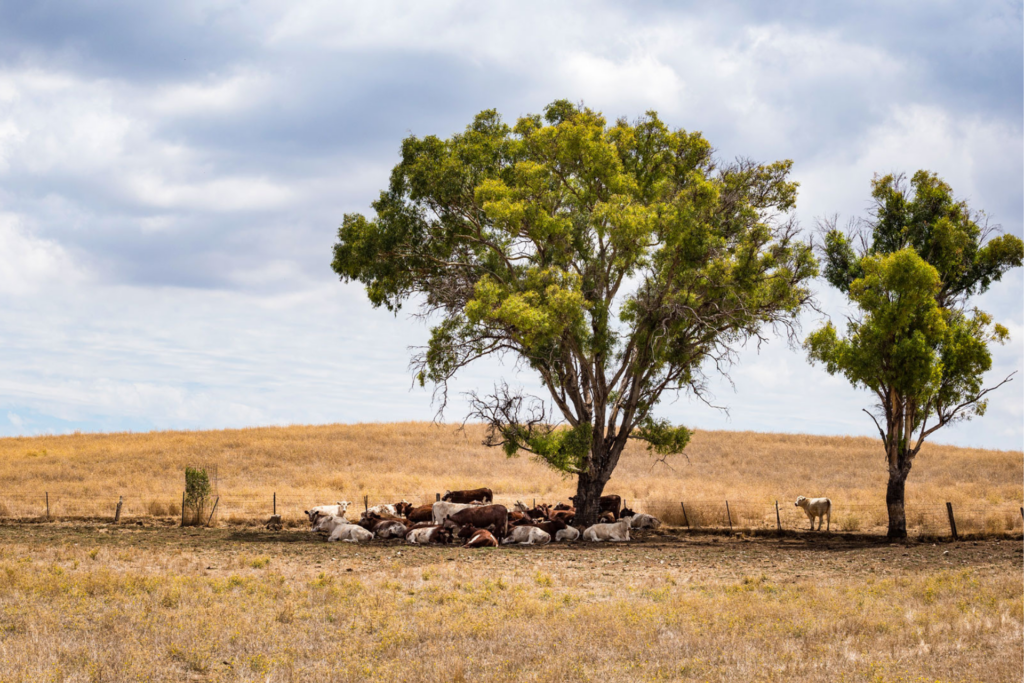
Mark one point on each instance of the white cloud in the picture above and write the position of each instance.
(29, 265)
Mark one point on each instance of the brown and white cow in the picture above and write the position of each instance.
(481, 517)
(468, 496)
(429, 534)
(421, 513)
(478, 538)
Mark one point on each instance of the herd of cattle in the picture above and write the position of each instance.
(473, 517)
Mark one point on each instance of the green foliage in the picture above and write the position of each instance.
(662, 437)
(927, 218)
(613, 259)
(197, 494)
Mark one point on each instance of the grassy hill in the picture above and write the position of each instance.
(305, 465)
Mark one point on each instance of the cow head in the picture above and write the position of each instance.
(626, 512)
(447, 496)
(800, 501)
(342, 507)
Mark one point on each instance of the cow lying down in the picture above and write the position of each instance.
(641, 521)
(339, 529)
(527, 535)
(319, 511)
(619, 531)
(429, 534)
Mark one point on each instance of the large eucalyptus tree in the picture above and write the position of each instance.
(619, 262)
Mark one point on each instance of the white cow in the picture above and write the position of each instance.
(527, 535)
(567, 534)
(385, 509)
(442, 510)
(642, 521)
(428, 534)
(816, 507)
(338, 529)
(337, 510)
(391, 529)
(619, 531)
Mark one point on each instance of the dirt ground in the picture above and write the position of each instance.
(681, 606)
(692, 554)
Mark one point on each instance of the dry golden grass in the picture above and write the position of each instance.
(305, 465)
(81, 603)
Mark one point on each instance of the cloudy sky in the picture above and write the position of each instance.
(172, 176)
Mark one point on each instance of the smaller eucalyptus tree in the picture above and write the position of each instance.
(917, 345)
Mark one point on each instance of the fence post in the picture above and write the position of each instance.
(778, 520)
(183, 508)
(952, 521)
(47, 505)
(686, 520)
(366, 502)
(117, 512)
(210, 518)
(275, 502)
(1022, 513)
(437, 497)
(729, 515)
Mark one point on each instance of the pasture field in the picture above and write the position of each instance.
(88, 602)
(85, 473)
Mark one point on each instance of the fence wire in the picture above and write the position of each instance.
(235, 508)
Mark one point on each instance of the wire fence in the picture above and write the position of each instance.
(927, 519)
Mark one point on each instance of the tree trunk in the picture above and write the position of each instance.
(894, 496)
(588, 499)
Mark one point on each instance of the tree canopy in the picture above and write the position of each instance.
(618, 261)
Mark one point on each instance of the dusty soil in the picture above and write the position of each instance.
(700, 556)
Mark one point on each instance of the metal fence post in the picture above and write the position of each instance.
(275, 503)
(729, 515)
(686, 520)
(778, 520)
(952, 521)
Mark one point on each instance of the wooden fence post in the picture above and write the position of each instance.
(275, 503)
(437, 497)
(729, 515)
(366, 503)
(117, 512)
(778, 520)
(686, 520)
(210, 518)
(1022, 513)
(952, 521)
(47, 505)
(183, 508)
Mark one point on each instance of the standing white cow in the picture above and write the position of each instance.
(527, 535)
(619, 531)
(816, 507)
(338, 529)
